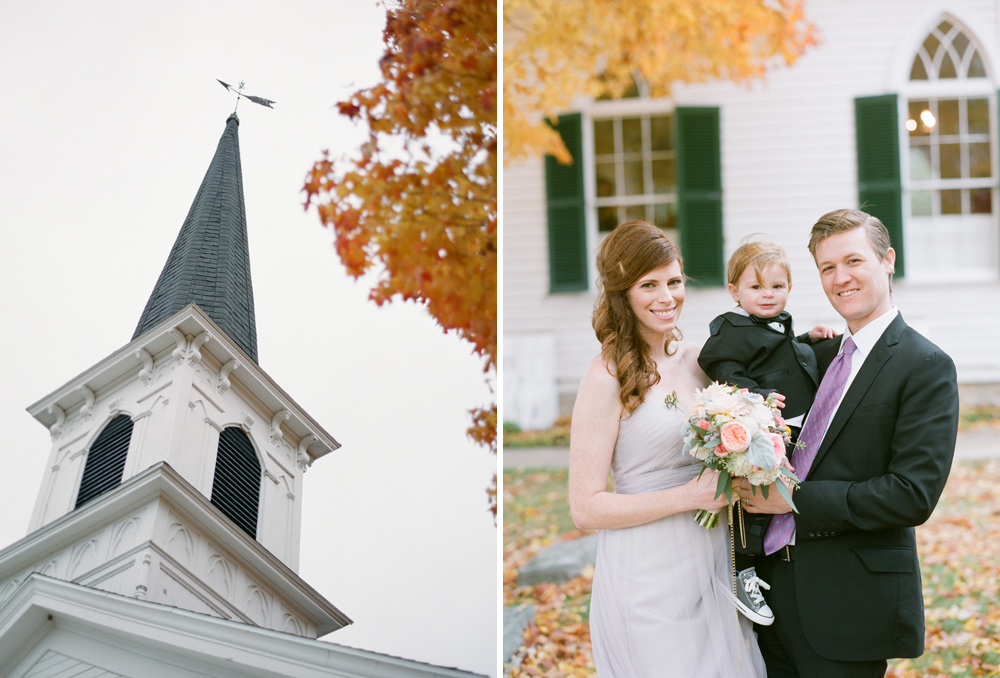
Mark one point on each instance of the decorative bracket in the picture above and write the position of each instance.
(57, 428)
(189, 348)
(301, 456)
(276, 434)
(247, 423)
(88, 403)
(222, 382)
(146, 373)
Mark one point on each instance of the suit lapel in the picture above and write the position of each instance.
(880, 355)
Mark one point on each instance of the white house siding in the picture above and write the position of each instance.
(788, 156)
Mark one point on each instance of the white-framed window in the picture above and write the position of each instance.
(632, 161)
(635, 170)
(949, 175)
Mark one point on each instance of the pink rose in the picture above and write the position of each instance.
(703, 425)
(735, 436)
(720, 451)
(779, 448)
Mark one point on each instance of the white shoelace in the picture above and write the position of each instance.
(751, 586)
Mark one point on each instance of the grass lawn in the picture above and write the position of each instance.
(960, 561)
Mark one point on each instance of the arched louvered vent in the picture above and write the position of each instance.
(106, 460)
(236, 487)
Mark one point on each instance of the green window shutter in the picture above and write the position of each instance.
(567, 220)
(880, 191)
(699, 193)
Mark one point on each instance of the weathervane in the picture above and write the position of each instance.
(257, 100)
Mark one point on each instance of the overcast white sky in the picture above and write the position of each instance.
(111, 114)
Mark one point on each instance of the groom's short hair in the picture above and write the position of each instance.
(839, 221)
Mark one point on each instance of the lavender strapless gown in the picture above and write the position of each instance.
(662, 598)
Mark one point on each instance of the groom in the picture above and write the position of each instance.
(879, 441)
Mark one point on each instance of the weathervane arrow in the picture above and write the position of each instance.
(257, 100)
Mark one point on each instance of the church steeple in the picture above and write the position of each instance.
(209, 263)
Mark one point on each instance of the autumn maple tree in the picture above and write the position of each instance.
(556, 50)
(418, 202)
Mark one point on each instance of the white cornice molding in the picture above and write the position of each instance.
(161, 480)
(228, 648)
(201, 336)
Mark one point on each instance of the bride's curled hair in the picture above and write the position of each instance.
(629, 252)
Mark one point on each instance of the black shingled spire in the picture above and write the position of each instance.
(209, 263)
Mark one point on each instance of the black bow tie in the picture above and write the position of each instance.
(784, 319)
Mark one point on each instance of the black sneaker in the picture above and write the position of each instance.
(749, 600)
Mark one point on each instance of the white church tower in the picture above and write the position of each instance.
(165, 537)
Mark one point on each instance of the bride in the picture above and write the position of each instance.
(662, 597)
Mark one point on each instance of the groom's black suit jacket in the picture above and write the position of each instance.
(878, 473)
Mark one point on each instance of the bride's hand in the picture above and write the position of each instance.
(703, 491)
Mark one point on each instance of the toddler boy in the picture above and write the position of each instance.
(753, 347)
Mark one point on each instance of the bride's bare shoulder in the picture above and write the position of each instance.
(688, 351)
(687, 354)
(600, 371)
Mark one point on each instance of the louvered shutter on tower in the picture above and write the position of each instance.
(236, 486)
(880, 190)
(105, 463)
(699, 194)
(567, 222)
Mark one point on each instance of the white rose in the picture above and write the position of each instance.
(739, 466)
(761, 477)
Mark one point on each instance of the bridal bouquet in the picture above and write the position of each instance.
(738, 433)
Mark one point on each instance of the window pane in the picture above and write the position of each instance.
(947, 69)
(951, 161)
(635, 212)
(605, 172)
(976, 68)
(961, 43)
(634, 181)
(666, 215)
(981, 200)
(918, 72)
(607, 219)
(660, 129)
(664, 180)
(920, 162)
(944, 27)
(979, 160)
(931, 44)
(979, 116)
(604, 137)
(921, 204)
(948, 116)
(951, 202)
(631, 135)
(919, 128)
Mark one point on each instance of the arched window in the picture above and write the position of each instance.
(106, 460)
(950, 179)
(236, 486)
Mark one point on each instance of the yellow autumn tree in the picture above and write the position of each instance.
(418, 201)
(555, 50)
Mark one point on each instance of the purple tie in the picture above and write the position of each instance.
(779, 533)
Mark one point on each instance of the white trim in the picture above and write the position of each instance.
(42, 606)
(162, 480)
(191, 320)
(898, 74)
